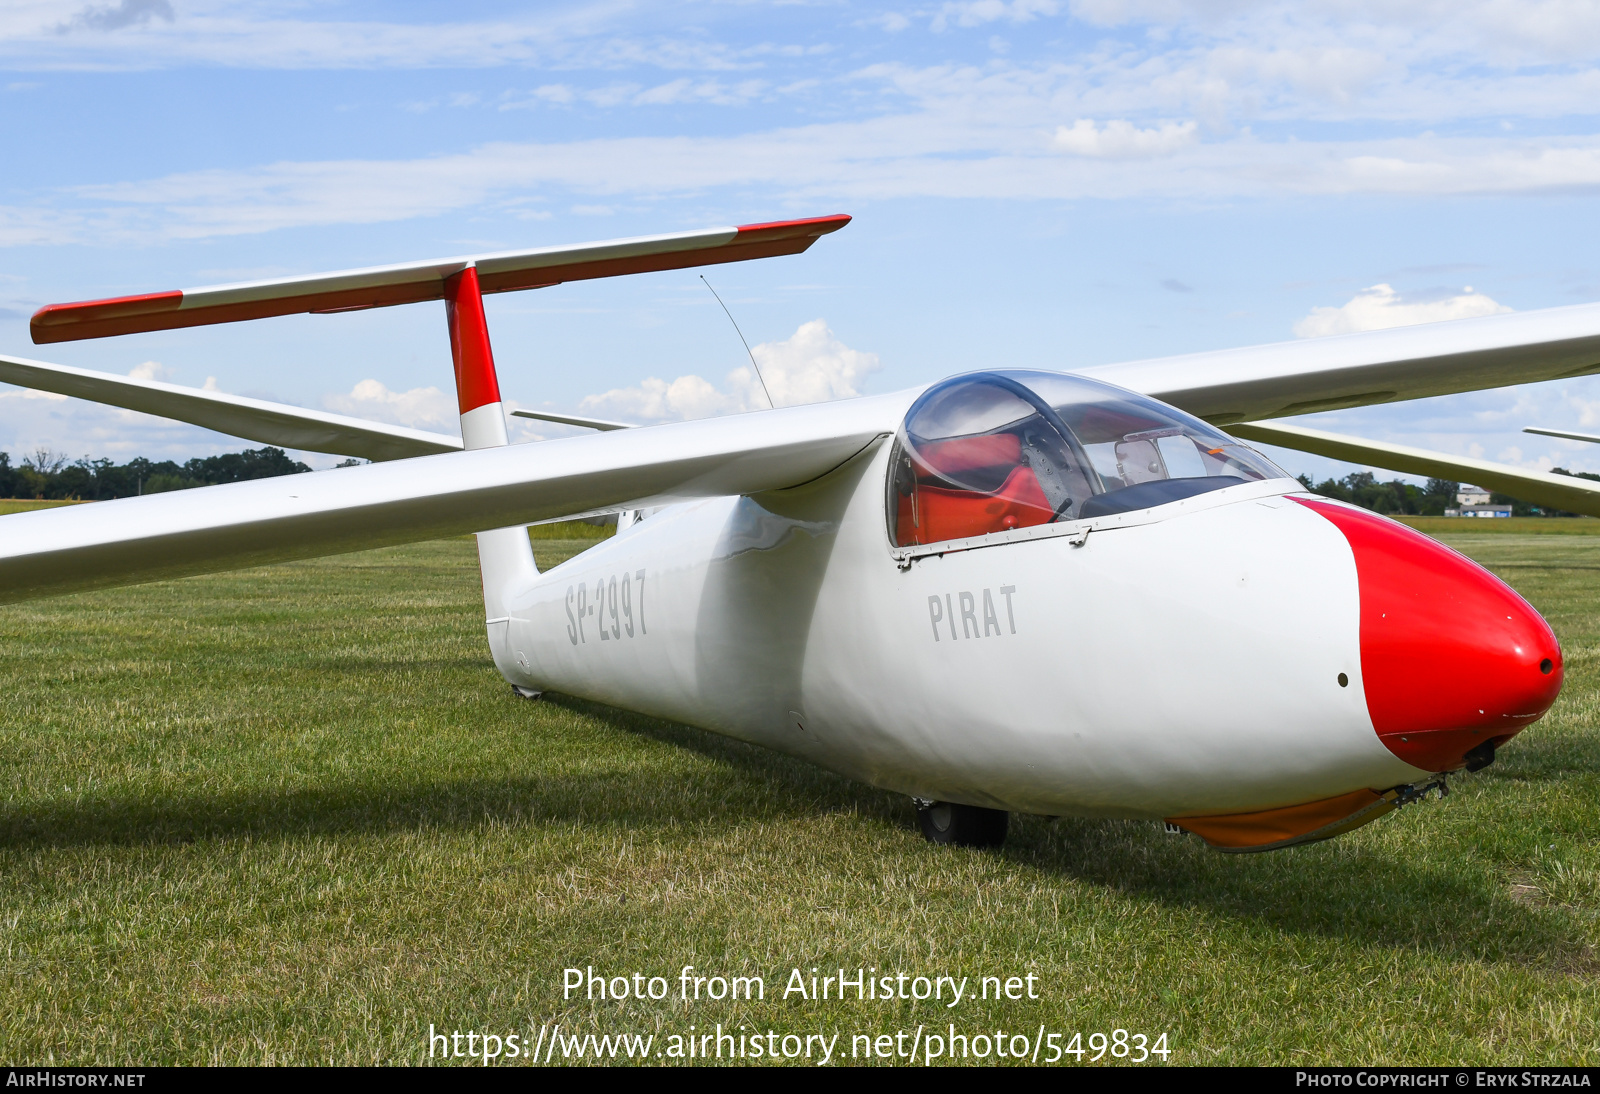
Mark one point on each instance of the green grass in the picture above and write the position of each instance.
(1446, 527)
(293, 815)
(570, 530)
(27, 505)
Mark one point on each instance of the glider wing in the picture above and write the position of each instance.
(1319, 374)
(252, 419)
(350, 509)
(1565, 492)
(1563, 434)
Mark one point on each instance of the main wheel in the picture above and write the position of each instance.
(962, 825)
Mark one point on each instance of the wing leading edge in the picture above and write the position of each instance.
(1349, 370)
(329, 512)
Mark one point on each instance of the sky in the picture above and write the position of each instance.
(1035, 183)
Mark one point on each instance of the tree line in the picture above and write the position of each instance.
(48, 475)
(51, 476)
(1396, 498)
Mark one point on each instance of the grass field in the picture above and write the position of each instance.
(1448, 528)
(25, 505)
(293, 815)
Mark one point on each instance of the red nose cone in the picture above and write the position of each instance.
(1451, 656)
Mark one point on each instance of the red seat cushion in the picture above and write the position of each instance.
(944, 514)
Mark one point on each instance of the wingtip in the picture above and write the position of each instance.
(98, 318)
(814, 226)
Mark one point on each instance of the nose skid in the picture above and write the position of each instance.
(1453, 660)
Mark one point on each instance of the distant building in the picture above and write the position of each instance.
(1471, 495)
(1479, 511)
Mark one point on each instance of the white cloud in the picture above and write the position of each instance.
(151, 370)
(988, 130)
(1380, 307)
(891, 21)
(142, 34)
(894, 157)
(672, 93)
(1119, 139)
(1497, 30)
(973, 13)
(810, 366)
(127, 13)
(420, 407)
(1220, 60)
(657, 400)
(704, 91)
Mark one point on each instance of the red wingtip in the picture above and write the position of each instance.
(812, 226)
(115, 315)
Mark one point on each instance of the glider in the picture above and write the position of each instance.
(1045, 592)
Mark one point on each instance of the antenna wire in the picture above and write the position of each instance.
(740, 333)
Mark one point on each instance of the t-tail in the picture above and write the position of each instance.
(505, 556)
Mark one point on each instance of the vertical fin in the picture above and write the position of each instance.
(483, 421)
(505, 557)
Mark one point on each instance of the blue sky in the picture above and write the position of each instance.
(1039, 183)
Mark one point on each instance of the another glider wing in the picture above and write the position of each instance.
(252, 419)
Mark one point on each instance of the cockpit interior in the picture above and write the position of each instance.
(992, 451)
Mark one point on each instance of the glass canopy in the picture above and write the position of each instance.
(991, 451)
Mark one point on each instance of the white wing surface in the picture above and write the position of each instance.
(1572, 494)
(252, 419)
(1318, 374)
(351, 509)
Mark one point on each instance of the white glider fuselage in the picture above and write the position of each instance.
(1012, 590)
(1183, 659)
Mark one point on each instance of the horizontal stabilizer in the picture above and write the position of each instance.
(412, 282)
(1569, 493)
(572, 419)
(351, 509)
(1318, 374)
(253, 419)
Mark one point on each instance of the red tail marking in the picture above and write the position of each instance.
(476, 384)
